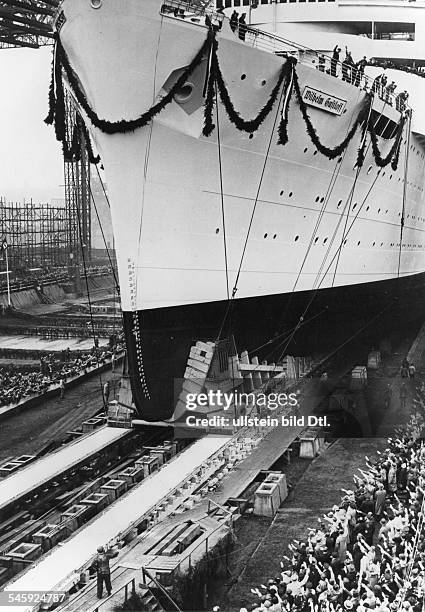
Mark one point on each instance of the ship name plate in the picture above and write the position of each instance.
(320, 99)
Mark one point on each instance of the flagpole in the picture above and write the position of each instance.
(8, 281)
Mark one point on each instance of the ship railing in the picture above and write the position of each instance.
(283, 47)
(201, 12)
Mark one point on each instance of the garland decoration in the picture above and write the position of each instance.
(215, 83)
(123, 126)
(289, 85)
(93, 159)
(210, 98)
(396, 157)
(361, 154)
(336, 151)
(52, 99)
(388, 64)
(216, 76)
(394, 152)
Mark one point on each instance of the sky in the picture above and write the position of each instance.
(31, 163)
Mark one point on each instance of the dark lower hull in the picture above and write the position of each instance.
(265, 326)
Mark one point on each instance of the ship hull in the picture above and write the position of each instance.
(196, 219)
(332, 318)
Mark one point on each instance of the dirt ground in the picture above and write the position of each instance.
(28, 431)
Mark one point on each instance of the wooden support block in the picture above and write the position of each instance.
(248, 382)
(265, 374)
(256, 375)
(205, 346)
(198, 365)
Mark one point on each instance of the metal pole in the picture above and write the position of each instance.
(7, 275)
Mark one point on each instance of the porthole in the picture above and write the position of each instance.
(184, 93)
(95, 3)
(296, 238)
(243, 77)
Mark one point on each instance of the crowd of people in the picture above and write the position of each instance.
(368, 552)
(36, 278)
(17, 383)
(354, 73)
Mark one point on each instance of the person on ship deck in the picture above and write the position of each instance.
(335, 60)
(242, 26)
(347, 67)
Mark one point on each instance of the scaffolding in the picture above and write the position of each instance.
(77, 194)
(37, 235)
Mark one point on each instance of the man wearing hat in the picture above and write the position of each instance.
(103, 570)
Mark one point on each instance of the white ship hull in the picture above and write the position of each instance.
(167, 198)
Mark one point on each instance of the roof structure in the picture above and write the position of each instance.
(26, 23)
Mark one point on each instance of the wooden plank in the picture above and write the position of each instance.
(204, 346)
(197, 365)
(250, 367)
(198, 353)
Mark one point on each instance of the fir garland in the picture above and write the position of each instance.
(209, 125)
(388, 64)
(287, 73)
(244, 125)
(289, 85)
(336, 151)
(123, 126)
(361, 154)
(394, 162)
(93, 159)
(394, 152)
(52, 99)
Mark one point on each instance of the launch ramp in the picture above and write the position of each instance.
(57, 569)
(55, 465)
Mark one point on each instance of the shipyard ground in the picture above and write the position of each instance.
(29, 431)
(316, 484)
